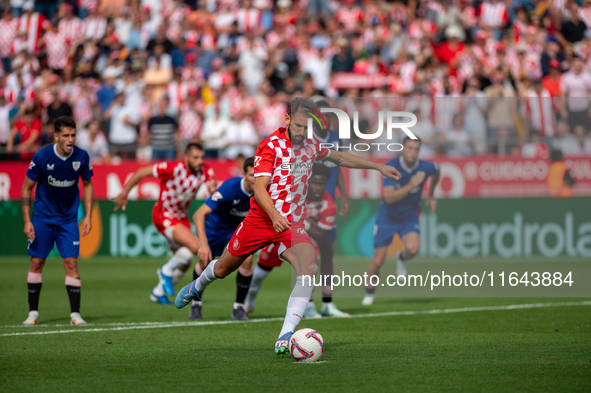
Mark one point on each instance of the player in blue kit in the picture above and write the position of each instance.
(399, 210)
(56, 170)
(215, 223)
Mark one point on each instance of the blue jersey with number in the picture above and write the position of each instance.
(407, 207)
(230, 204)
(331, 186)
(57, 195)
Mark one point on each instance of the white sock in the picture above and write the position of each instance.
(298, 302)
(177, 276)
(33, 314)
(181, 257)
(196, 303)
(258, 276)
(206, 278)
(159, 289)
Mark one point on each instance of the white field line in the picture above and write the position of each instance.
(158, 325)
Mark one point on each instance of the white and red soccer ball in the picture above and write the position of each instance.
(306, 345)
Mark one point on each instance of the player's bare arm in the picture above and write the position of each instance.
(393, 195)
(262, 197)
(349, 160)
(204, 251)
(88, 200)
(26, 205)
(431, 201)
(121, 199)
(343, 190)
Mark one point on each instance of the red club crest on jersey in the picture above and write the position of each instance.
(236, 244)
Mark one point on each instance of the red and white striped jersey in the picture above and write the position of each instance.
(248, 20)
(469, 15)
(585, 15)
(494, 15)
(540, 112)
(32, 26)
(8, 31)
(418, 28)
(178, 187)
(270, 117)
(94, 27)
(177, 92)
(72, 29)
(90, 5)
(290, 169)
(82, 108)
(350, 17)
(56, 48)
(322, 213)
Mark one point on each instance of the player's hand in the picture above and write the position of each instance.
(280, 223)
(389, 172)
(29, 230)
(120, 202)
(417, 179)
(432, 203)
(344, 206)
(86, 226)
(204, 253)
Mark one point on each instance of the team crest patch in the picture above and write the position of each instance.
(76, 165)
(236, 244)
(309, 150)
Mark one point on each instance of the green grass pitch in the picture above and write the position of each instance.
(546, 349)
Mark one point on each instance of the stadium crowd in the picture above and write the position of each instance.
(143, 78)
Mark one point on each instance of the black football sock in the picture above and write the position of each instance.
(326, 299)
(242, 285)
(34, 291)
(74, 295)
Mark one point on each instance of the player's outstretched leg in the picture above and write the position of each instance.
(218, 268)
(34, 282)
(411, 242)
(258, 276)
(302, 257)
(243, 280)
(195, 311)
(328, 308)
(379, 255)
(181, 257)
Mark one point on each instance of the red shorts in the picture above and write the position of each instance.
(162, 223)
(270, 258)
(257, 232)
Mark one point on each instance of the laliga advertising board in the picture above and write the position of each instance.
(474, 177)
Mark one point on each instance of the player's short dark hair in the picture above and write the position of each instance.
(407, 138)
(556, 155)
(63, 121)
(249, 162)
(194, 145)
(301, 104)
(321, 170)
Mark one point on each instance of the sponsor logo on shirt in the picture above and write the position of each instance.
(50, 167)
(60, 183)
(236, 201)
(238, 213)
(257, 160)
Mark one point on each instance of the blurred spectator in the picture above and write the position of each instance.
(539, 111)
(46, 7)
(47, 134)
(163, 131)
(457, 140)
(475, 115)
(573, 29)
(241, 137)
(501, 104)
(5, 109)
(189, 122)
(426, 132)
(123, 127)
(25, 135)
(94, 142)
(535, 147)
(576, 86)
(58, 108)
(504, 145)
(560, 181)
(213, 133)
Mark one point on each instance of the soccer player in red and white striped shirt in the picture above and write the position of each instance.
(283, 167)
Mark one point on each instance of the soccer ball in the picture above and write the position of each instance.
(306, 345)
